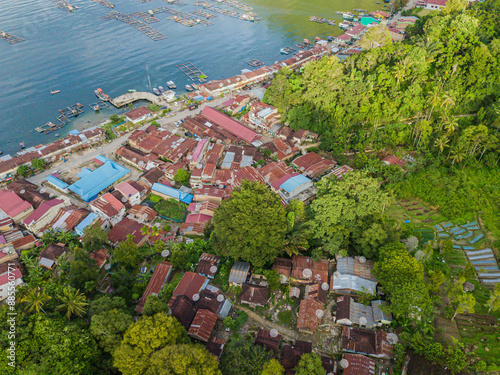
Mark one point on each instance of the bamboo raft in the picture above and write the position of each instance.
(105, 3)
(139, 25)
(12, 39)
(62, 4)
(245, 17)
(202, 13)
(146, 17)
(184, 19)
(255, 63)
(191, 71)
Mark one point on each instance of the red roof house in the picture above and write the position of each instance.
(160, 276)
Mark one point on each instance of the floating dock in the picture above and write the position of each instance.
(146, 17)
(255, 63)
(139, 25)
(12, 39)
(322, 20)
(202, 13)
(192, 71)
(287, 50)
(64, 5)
(98, 105)
(104, 3)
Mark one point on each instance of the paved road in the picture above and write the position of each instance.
(77, 159)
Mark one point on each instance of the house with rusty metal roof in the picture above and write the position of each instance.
(182, 308)
(125, 227)
(254, 295)
(190, 284)
(266, 340)
(306, 271)
(160, 276)
(359, 365)
(284, 267)
(310, 313)
(208, 265)
(367, 342)
(316, 292)
(216, 346)
(291, 354)
(239, 273)
(357, 266)
(49, 256)
(203, 325)
(313, 164)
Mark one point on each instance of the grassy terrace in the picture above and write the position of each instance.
(169, 208)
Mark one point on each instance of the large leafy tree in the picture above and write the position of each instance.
(94, 237)
(273, 367)
(352, 205)
(250, 225)
(83, 270)
(127, 253)
(310, 364)
(109, 326)
(145, 337)
(242, 357)
(183, 359)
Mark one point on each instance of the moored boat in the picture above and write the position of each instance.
(162, 90)
(101, 95)
(171, 85)
(21, 144)
(55, 91)
(189, 88)
(156, 91)
(132, 90)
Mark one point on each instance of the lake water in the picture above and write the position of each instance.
(78, 52)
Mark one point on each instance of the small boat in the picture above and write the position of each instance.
(57, 134)
(162, 90)
(171, 85)
(156, 91)
(330, 38)
(101, 95)
(1, 152)
(96, 107)
(194, 86)
(317, 39)
(189, 88)
(132, 90)
(55, 92)
(21, 144)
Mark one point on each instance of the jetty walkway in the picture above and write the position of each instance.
(131, 97)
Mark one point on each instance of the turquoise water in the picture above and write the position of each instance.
(78, 52)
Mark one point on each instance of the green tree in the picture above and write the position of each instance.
(183, 359)
(242, 357)
(35, 299)
(38, 163)
(108, 327)
(461, 301)
(377, 36)
(493, 302)
(250, 225)
(344, 207)
(127, 253)
(23, 170)
(145, 337)
(310, 364)
(154, 305)
(182, 176)
(273, 367)
(83, 269)
(94, 237)
(72, 302)
(273, 279)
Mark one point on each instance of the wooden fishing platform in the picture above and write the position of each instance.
(139, 25)
(202, 13)
(287, 50)
(146, 17)
(12, 39)
(98, 105)
(62, 4)
(131, 97)
(105, 3)
(143, 1)
(184, 19)
(255, 63)
(72, 111)
(191, 71)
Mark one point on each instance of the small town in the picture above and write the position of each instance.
(336, 212)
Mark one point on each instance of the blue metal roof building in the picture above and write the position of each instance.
(294, 182)
(85, 223)
(172, 192)
(93, 183)
(56, 182)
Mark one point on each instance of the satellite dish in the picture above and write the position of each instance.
(336, 274)
(302, 169)
(144, 216)
(218, 182)
(51, 195)
(199, 166)
(134, 159)
(230, 180)
(220, 298)
(107, 266)
(213, 269)
(22, 191)
(273, 332)
(362, 259)
(221, 186)
(392, 338)
(363, 321)
(165, 253)
(320, 313)
(140, 220)
(344, 363)
(196, 297)
(325, 286)
(130, 216)
(40, 234)
(307, 272)
(124, 199)
(42, 190)
(189, 157)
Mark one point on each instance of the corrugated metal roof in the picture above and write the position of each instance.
(239, 272)
(56, 182)
(171, 192)
(294, 182)
(354, 283)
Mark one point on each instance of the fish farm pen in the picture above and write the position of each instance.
(287, 50)
(12, 39)
(143, 1)
(234, 4)
(185, 19)
(202, 13)
(322, 20)
(105, 3)
(175, 2)
(64, 5)
(72, 111)
(98, 105)
(139, 25)
(146, 17)
(245, 17)
(192, 71)
(255, 63)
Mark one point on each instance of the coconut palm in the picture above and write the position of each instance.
(457, 155)
(66, 237)
(72, 302)
(35, 299)
(441, 144)
(450, 124)
(50, 236)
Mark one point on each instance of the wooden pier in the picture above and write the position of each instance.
(192, 71)
(131, 97)
(255, 63)
(139, 25)
(104, 3)
(12, 39)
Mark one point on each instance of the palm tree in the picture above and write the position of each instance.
(35, 299)
(145, 230)
(66, 237)
(441, 144)
(450, 124)
(72, 302)
(49, 237)
(457, 155)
